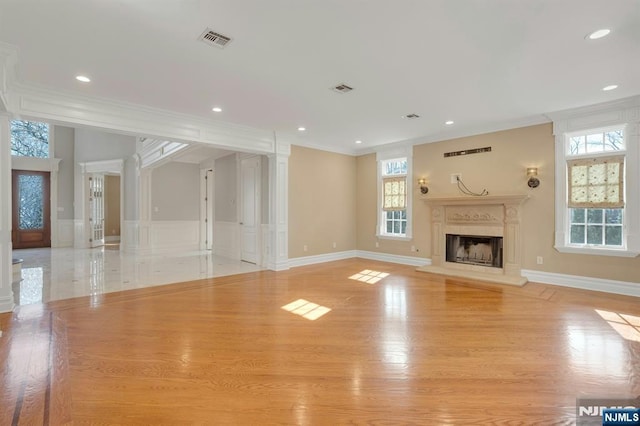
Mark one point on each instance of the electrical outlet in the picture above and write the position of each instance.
(335, 245)
(377, 244)
(455, 177)
(413, 248)
(305, 248)
(539, 260)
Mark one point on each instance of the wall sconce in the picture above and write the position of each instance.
(422, 182)
(533, 181)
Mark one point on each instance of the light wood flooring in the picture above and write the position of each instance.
(409, 348)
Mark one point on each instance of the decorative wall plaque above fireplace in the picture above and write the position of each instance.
(477, 237)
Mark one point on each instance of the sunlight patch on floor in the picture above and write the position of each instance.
(304, 308)
(627, 326)
(368, 276)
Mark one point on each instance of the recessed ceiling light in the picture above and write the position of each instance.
(448, 123)
(598, 34)
(216, 109)
(610, 87)
(302, 129)
(83, 78)
(358, 142)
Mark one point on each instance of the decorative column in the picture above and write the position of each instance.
(512, 252)
(144, 209)
(6, 267)
(278, 246)
(437, 235)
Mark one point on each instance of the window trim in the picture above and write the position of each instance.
(624, 115)
(392, 154)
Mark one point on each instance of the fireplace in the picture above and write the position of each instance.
(477, 237)
(474, 250)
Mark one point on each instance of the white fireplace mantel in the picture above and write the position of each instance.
(492, 215)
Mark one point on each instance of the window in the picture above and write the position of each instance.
(394, 198)
(595, 188)
(597, 169)
(29, 139)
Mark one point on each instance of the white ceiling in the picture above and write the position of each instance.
(486, 64)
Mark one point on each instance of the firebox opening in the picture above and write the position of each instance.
(475, 250)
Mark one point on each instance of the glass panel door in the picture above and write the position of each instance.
(31, 217)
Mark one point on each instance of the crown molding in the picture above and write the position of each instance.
(63, 108)
(334, 149)
(462, 133)
(618, 104)
(8, 64)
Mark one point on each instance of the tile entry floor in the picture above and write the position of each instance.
(63, 273)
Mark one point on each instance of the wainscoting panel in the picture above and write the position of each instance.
(226, 240)
(174, 235)
(266, 233)
(65, 233)
(129, 235)
(79, 240)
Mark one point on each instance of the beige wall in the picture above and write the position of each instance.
(112, 206)
(322, 202)
(501, 171)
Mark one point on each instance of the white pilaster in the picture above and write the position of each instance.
(278, 247)
(6, 293)
(144, 209)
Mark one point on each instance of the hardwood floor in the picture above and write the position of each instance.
(411, 348)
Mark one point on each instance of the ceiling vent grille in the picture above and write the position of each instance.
(411, 116)
(215, 39)
(342, 88)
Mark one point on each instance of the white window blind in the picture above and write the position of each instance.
(596, 182)
(394, 193)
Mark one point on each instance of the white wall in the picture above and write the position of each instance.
(64, 150)
(226, 189)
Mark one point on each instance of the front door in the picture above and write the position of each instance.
(31, 209)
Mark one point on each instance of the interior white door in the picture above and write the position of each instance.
(208, 209)
(96, 209)
(250, 209)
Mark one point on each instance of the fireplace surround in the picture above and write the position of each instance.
(492, 223)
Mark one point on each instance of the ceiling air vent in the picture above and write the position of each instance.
(215, 39)
(411, 116)
(342, 88)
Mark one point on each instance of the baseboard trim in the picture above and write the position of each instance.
(394, 258)
(585, 283)
(321, 258)
(348, 254)
(6, 304)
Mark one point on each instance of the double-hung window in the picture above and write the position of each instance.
(598, 180)
(596, 188)
(394, 189)
(394, 197)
